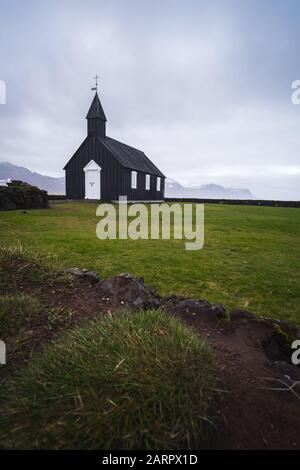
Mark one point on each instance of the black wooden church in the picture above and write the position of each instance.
(103, 168)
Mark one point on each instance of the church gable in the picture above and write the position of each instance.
(91, 148)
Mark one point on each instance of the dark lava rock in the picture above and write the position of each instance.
(192, 306)
(182, 306)
(138, 302)
(172, 299)
(242, 315)
(19, 195)
(290, 329)
(130, 291)
(83, 273)
(278, 347)
(219, 311)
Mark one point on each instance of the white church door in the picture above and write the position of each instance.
(92, 180)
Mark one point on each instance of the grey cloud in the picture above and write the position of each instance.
(202, 87)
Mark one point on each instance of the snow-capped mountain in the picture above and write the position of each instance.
(207, 191)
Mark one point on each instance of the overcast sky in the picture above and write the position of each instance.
(203, 87)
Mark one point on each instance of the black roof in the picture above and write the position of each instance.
(96, 110)
(130, 157)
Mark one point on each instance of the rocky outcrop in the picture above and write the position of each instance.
(19, 195)
(83, 273)
(129, 291)
(182, 306)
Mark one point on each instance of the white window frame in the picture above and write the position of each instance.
(134, 180)
(147, 182)
(158, 183)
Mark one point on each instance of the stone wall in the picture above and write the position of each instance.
(19, 195)
(240, 202)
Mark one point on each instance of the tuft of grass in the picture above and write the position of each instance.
(134, 380)
(17, 310)
(20, 265)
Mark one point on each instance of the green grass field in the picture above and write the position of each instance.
(250, 260)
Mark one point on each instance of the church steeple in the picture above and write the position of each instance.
(95, 117)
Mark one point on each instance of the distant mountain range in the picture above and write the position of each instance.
(50, 184)
(209, 191)
(173, 189)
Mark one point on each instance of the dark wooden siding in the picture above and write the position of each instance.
(111, 171)
(115, 179)
(97, 127)
(141, 194)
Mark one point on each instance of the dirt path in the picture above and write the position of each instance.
(249, 416)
